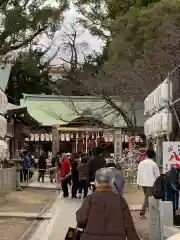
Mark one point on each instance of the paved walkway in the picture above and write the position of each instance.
(35, 184)
(63, 217)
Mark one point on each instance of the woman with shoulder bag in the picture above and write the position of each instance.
(105, 215)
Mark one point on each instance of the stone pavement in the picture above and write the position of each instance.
(35, 184)
(64, 217)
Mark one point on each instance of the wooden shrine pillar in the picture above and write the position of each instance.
(118, 144)
(55, 141)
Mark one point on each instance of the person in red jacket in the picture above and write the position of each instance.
(65, 172)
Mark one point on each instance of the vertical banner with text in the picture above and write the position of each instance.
(171, 155)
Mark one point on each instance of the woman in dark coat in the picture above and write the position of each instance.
(42, 167)
(105, 215)
(74, 175)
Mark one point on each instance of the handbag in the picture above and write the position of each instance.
(73, 234)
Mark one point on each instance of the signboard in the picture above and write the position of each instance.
(171, 155)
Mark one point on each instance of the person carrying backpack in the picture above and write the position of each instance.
(147, 174)
(171, 188)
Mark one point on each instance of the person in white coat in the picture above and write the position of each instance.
(148, 172)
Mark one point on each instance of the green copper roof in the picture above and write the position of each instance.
(49, 110)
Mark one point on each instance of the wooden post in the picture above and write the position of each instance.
(86, 141)
(118, 144)
(77, 142)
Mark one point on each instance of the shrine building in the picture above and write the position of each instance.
(77, 123)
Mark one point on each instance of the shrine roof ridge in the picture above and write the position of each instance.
(59, 97)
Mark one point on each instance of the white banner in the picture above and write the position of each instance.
(171, 155)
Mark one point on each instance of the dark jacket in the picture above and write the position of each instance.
(172, 187)
(94, 164)
(42, 163)
(74, 171)
(83, 171)
(106, 216)
(26, 162)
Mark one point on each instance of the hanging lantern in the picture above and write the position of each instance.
(47, 137)
(72, 136)
(32, 137)
(62, 137)
(3, 126)
(42, 137)
(82, 135)
(36, 137)
(50, 137)
(92, 136)
(3, 149)
(105, 137)
(67, 137)
(137, 139)
(111, 138)
(3, 99)
(98, 135)
(126, 138)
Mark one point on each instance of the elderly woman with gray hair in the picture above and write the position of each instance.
(105, 215)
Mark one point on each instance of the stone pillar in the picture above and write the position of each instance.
(118, 144)
(17, 164)
(154, 219)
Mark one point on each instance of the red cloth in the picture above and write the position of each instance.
(65, 168)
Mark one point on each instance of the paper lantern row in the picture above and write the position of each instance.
(3, 126)
(79, 136)
(160, 123)
(3, 99)
(3, 149)
(159, 98)
(40, 137)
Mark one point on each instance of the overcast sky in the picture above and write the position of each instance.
(92, 43)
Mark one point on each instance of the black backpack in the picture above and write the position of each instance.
(159, 186)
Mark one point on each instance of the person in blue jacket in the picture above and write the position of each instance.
(171, 191)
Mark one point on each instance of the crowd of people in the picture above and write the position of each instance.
(79, 170)
(104, 213)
